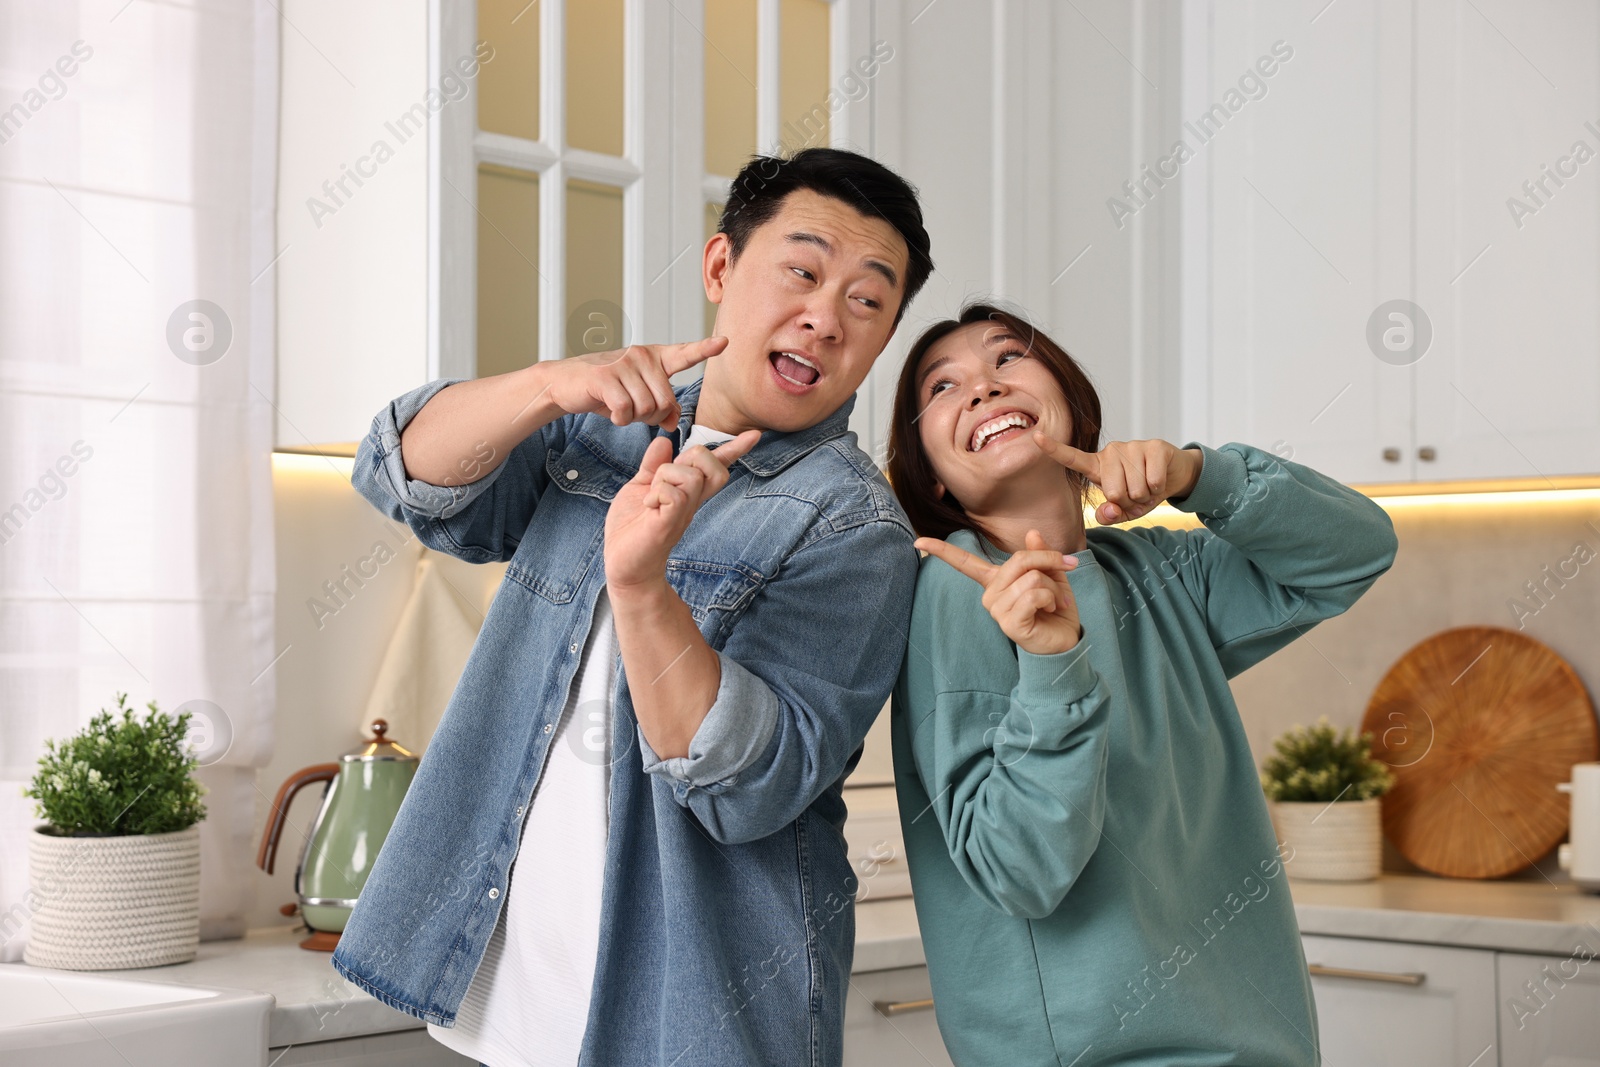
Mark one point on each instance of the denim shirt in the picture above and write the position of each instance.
(727, 926)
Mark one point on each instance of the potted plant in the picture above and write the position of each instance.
(1325, 787)
(114, 870)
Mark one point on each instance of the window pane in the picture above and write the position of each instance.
(730, 85)
(508, 281)
(803, 69)
(594, 76)
(713, 216)
(594, 269)
(508, 85)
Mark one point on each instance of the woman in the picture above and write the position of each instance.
(1095, 873)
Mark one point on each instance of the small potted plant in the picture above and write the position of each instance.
(114, 870)
(1325, 788)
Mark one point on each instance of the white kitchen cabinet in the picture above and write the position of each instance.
(352, 221)
(876, 843)
(404, 1048)
(1549, 1009)
(1310, 230)
(1380, 165)
(1374, 1011)
(1511, 386)
(907, 1035)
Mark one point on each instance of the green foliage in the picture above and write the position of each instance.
(1319, 763)
(120, 776)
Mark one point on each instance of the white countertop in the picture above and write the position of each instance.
(314, 1003)
(1514, 915)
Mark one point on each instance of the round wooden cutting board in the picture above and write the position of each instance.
(1479, 724)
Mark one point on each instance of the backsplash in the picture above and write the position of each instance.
(345, 573)
(1459, 564)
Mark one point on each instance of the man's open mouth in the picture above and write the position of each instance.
(1001, 427)
(794, 368)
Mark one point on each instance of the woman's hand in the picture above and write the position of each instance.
(1134, 476)
(1028, 594)
(649, 514)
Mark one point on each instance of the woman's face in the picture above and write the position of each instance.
(981, 395)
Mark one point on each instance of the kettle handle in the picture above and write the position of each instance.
(321, 772)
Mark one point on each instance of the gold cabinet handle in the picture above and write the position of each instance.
(1405, 978)
(900, 1007)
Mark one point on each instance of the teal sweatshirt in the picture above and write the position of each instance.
(1093, 865)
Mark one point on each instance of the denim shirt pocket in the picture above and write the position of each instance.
(717, 593)
(567, 533)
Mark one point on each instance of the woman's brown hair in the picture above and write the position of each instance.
(910, 473)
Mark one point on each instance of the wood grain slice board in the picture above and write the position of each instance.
(1479, 724)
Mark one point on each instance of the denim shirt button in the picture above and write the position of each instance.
(548, 727)
(572, 648)
(572, 475)
(493, 892)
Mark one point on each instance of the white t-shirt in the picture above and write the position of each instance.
(528, 1002)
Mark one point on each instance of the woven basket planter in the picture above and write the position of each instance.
(106, 903)
(1338, 842)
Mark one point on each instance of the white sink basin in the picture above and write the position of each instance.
(73, 1019)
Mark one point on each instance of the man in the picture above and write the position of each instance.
(670, 823)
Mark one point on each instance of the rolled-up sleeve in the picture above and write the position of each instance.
(730, 738)
(804, 674)
(480, 521)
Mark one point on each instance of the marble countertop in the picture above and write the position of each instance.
(315, 1003)
(1515, 915)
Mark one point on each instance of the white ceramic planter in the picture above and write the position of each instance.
(1338, 842)
(104, 903)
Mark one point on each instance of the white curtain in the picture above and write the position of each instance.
(137, 169)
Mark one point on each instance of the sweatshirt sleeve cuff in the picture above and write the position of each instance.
(732, 736)
(1221, 483)
(1060, 678)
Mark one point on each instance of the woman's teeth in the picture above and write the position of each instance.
(982, 434)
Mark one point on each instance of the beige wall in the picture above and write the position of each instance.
(326, 675)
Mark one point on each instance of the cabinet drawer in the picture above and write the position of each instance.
(908, 1035)
(877, 847)
(1390, 1003)
(1550, 1008)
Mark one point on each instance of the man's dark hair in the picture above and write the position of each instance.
(865, 184)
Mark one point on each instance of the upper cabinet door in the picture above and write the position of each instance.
(1508, 237)
(1310, 197)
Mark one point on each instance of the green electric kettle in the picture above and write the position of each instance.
(359, 803)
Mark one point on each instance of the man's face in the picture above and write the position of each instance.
(806, 308)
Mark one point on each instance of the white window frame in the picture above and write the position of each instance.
(661, 172)
(848, 24)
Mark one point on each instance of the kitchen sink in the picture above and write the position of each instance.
(52, 1018)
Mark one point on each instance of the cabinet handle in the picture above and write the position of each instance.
(900, 1007)
(1406, 978)
(1427, 453)
(1391, 455)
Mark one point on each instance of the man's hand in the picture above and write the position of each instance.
(1134, 476)
(627, 385)
(650, 513)
(1028, 594)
